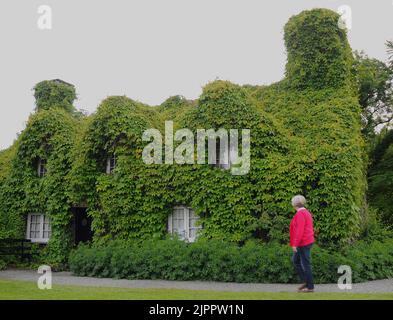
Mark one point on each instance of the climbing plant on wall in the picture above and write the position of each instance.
(49, 135)
(54, 93)
(305, 138)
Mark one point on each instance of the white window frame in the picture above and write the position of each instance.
(41, 173)
(186, 212)
(109, 169)
(41, 238)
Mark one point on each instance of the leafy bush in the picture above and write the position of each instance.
(380, 191)
(3, 265)
(371, 261)
(221, 261)
(374, 229)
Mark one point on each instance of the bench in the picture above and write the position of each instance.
(16, 247)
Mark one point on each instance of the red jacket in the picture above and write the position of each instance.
(301, 230)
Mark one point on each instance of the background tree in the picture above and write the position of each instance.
(375, 84)
(380, 173)
(380, 180)
(389, 45)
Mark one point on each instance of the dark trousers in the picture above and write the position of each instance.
(302, 262)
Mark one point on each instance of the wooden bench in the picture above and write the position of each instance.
(16, 247)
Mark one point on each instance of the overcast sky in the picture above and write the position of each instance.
(152, 49)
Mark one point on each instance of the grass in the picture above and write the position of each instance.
(22, 290)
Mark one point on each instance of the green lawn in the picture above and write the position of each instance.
(28, 290)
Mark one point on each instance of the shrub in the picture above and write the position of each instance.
(93, 263)
(222, 261)
(371, 261)
(381, 177)
(3, 265)
(374, 228)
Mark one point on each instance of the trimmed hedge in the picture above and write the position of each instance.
(222, 261)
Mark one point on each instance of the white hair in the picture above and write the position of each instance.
(298, 201)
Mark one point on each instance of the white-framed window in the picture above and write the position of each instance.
(111, 164)
(183, 222)
(38, 228)
(41, 168)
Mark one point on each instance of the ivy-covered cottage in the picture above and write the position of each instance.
(70, 178)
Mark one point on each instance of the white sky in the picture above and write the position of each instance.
(152, 49)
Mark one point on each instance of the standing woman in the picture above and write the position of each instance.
(301, 241)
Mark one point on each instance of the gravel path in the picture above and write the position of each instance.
(66, 278)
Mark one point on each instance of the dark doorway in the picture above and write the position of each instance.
(82, 225)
